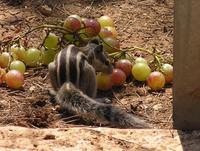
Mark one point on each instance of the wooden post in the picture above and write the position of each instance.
(186, 103)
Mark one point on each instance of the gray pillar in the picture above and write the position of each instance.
(186, 103)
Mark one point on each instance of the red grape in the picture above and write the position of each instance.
(72, 23)
(118, 77)
(125, 65)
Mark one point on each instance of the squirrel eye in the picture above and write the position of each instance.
(107, 62)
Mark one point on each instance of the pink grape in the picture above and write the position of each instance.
(156, 80)
(14, 79)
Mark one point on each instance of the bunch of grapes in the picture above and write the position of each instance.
(78, 31)
(139, 70)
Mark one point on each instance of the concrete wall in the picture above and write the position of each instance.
(187, 65)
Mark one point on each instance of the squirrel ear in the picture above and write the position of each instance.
(95, 41)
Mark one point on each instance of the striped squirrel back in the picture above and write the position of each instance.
(78, 65)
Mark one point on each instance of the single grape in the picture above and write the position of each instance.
(140, 60)
(72, 23)
(111, 44)
(47, 56)
(167, 70)
(105, 21)
(69, 38)
(18, 52)
(125, 65)
(18, 65)
(118, 77)
(141, 71)
(51, 41)
(5, 59)
(33, 57)
(91, 27)
(14, 79)
(156, 80)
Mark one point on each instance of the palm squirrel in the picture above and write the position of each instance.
(73, 78)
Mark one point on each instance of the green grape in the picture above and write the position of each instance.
(18, 52)
(18, 65)
(47, 56)
(5, 59)
(51, 41)
(125, 65)
(140, 60)
(69, 38)
(106, 21)
(33, 57)
(141, 71)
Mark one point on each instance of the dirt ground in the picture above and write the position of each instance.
(142, 23)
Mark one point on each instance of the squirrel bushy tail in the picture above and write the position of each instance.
(74, 100)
